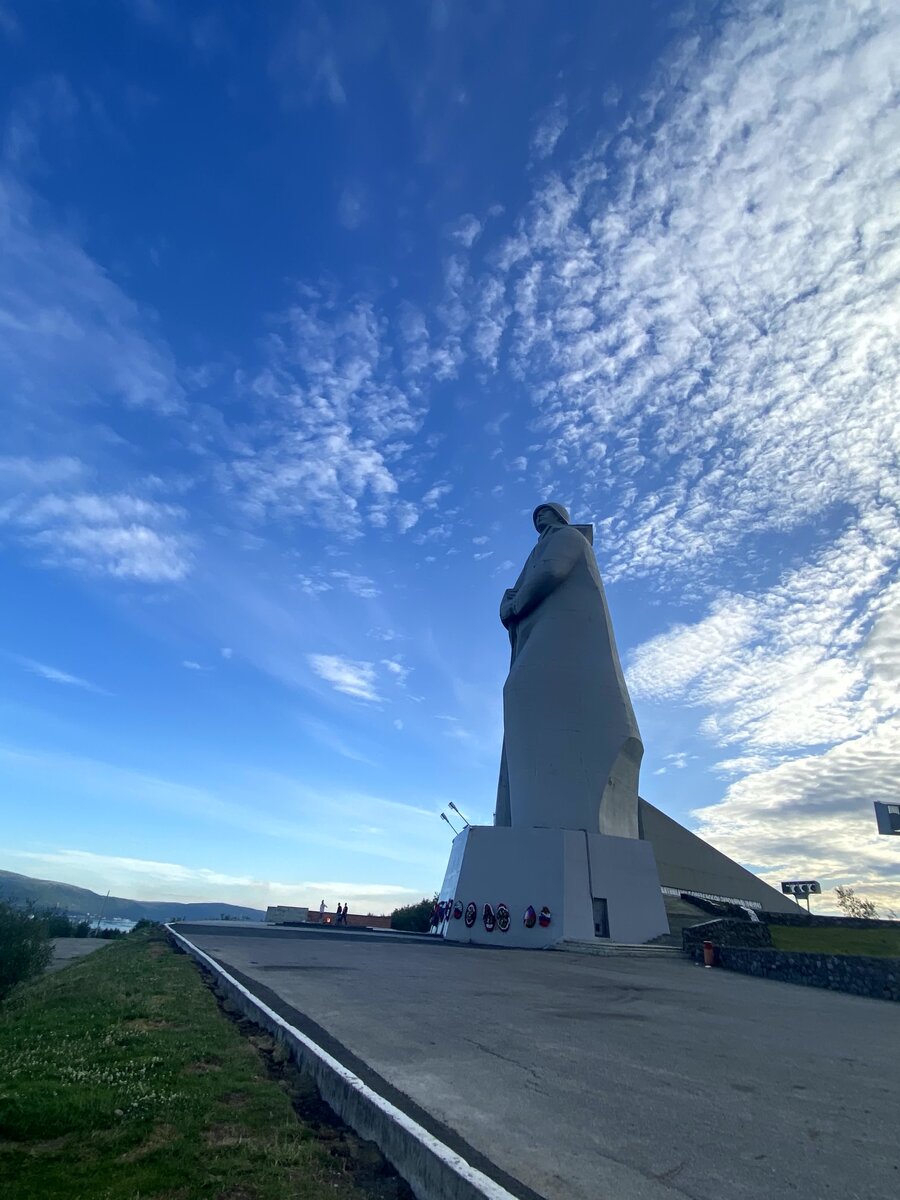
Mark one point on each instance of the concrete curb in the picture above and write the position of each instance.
(431, 1168)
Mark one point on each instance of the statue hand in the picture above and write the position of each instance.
(508, 608)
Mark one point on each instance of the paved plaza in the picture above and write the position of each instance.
(583, 1077)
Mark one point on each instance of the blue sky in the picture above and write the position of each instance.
(303, 307)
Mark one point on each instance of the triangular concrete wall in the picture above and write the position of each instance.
(688, 864)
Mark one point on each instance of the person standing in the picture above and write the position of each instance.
(322, 913)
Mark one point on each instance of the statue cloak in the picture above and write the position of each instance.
(571, 748)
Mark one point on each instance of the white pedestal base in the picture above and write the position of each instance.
(584, 879)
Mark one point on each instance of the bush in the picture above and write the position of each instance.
(414, 918)
(25, 948)
(852, 905)
(58, 925)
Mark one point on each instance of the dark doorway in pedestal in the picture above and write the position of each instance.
(601, 917)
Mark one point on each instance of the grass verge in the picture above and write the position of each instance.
(120, 1079)
(824, 939)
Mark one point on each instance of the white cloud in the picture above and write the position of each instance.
(356, 679)
(466, 230)
(395, 667)
(190, 665)
(810, 662)
(385, 635)
(406, 515)
(75, 347)
(32, 473)
(226, 652)
(327, 80)
(117, 534)
(359, 585)
(312, 585)
(331, 412)
(706, 297)
(744, 764)
(351, 207)
(112, 533)
(435, 494)
(54, 675)
(812, 817)
(550, 129)
(434, 533)
(135, 552)
(424, 356)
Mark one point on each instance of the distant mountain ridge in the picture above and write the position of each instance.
(48, 893)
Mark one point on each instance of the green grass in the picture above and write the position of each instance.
(121, 1080)
(822, 939)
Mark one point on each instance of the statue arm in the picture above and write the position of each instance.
(555, 566)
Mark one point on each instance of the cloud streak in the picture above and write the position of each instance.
(54, 675)
(70, 334)
(147, 879)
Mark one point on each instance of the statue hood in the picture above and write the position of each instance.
(557, 508)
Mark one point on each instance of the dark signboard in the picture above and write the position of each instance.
(888, 817)
(807, 887)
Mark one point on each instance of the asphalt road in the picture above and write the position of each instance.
(586, 1078)
(66, 950)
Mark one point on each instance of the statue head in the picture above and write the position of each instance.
(549, 516)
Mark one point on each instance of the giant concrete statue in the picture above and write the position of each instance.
(566, 841)
(571, 748)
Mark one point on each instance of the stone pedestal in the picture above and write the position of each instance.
(591, 884)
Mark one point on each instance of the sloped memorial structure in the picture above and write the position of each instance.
(573, 853)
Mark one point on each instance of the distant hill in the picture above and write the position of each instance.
(47, 893)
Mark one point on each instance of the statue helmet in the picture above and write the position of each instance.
(557, 508)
